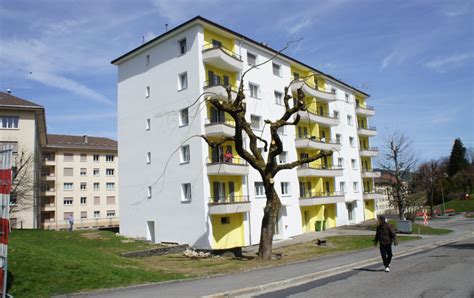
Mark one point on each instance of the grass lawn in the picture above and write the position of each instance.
(46, 263)
(459, 205)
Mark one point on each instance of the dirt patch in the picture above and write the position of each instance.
(92, 235)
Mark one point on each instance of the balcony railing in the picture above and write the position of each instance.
(46, 174)
(218, 81)
(365, 107)
(226, 160)
(320, 167)
(323, 114)
(319, 140)
(229, 199)
(373, 128)
(210, 46)
(316, 194)
(227, 122)
(369, 148)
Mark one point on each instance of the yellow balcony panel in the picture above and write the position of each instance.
(369, 131)
(365, 110)
(321, 198)
(369, 173)
(221, 57)
(369, 152)
(317, 143)
(213, 128)
(319, 171)
(218, 90)
(371, 195)
(326, 96)
(229, 205)
(227, 167)
(324, 119)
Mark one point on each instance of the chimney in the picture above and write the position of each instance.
(85, 139)
(9, 91)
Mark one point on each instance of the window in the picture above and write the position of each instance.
(9, 121)
(353, 163)
(285, 188)
(225, 220)
(347, 97)
(95, 172)
(336, 114)
(83, 200)
(110, 200)
(147, 92)
(9, 145)
(183, 81)
(183, 48)
(183, 117)
(95, 157)
(110, 185)
(255, 122)
(83, 172)
(68, 172)
(96, 214)
(342, 186)
(251, 59)
(282, 157)
(110, 213)
(148, 158)
(68, 186)
(96, 186)
(68, 214)
(253, 90)
(109, 172)
(68, 201)
(109, 158)
(340, 160)
(96, 200)
(278, 98)
(185, 154)
(186, 192)
(148, 124)
(83, 214)
(351, 141)
(338, 138)
(68, 157)
(349, 120)
(276, 69)
(147, 61)
(259, 189)
(83, 185)
(83, 157)
(355, 185)
(148, 192)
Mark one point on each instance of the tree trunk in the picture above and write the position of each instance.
(269, 220)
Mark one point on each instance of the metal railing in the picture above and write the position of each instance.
(368, 127)
(320, 194)
(319, 140)
(228, 122)
(47, 174)
(369, 148)
(373, 192)
(210, 46)
(226, 160)
(228, 199)
(367, 170)
(219, 82)
(365, 107)
(315, 86)
(323, 114)
(320, 167)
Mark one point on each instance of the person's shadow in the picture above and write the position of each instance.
(369, 269)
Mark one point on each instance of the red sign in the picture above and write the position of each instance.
(5, 181)
(425, 218)
(5, 189)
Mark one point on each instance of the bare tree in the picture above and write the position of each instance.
(22, 191)
(398, 160)
(429, 176)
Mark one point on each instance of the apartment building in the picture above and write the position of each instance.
(80, 177)
(23, 129)
(175, 188)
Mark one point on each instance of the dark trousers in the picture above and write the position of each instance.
(386, 253)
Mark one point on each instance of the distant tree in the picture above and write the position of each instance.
(22, 191)
(398, 160)
(457, 159)
(428, 180)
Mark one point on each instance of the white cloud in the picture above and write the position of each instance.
(444, 64)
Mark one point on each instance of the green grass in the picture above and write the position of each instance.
(459, 205)
(423, 230)
(45, 263)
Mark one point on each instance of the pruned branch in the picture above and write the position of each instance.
(299, 162)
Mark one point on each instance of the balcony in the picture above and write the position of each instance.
(372, 195)
(369, 152)
(312, 198)
(228, 205)
(49, 161)
(223, 166)
(48, 207)
(326, 96)
(317, 143)
(215, 88)
(48, 176)
(369, 173)
(323, 119)
(220, 57)
(219, 128)
(365, 110)
(368, 131)
(48, 191)
(319, 171)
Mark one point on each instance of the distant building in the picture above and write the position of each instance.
(383, 186)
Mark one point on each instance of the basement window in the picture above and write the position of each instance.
(225, 220)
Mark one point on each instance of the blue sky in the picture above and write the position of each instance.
(415, 58)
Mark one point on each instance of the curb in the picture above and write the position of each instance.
(303, 279)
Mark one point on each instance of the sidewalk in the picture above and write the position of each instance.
(246, 283)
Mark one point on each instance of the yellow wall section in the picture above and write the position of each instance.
(364, 142)
(227, 43)
(368, 185)
(366, 163)
(304, 74)
(314, 152)
(321, 84)
(227, 235)
(311, 214)
(226, 179)
(318, 184)
(362, 122)
(361, 100)
(221, 73)
(369, 209)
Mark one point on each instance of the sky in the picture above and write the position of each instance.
(415, 58)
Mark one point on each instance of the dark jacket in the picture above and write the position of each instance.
(385, 234)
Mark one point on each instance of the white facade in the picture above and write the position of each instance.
(151, 131)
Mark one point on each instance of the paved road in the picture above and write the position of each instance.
(446, 271)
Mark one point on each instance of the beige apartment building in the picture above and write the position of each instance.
(80, 177)
(23, 129)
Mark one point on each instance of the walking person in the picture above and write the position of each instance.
(385, 236)
(70, 220)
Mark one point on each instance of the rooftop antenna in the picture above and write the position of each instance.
(143, 39)
(166, 27)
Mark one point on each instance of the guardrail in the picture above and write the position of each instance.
(210, 46)
(218, 82)
(320, 140)
(229, 199)
(320, 194)
(226, 160)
